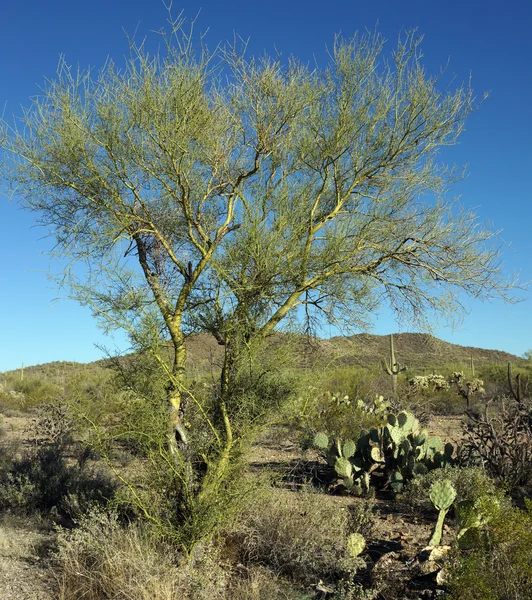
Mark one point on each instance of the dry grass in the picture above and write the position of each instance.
(25, 550)
(102, 559)
(283, 544)
(302, 536)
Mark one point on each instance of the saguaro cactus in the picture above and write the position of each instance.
(517, 389)
(392, 366)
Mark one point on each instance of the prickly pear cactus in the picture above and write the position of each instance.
(355, 544)
(399, 449)
(343, 467)
(442, 495)
(349, 448)
(321, 441)
(396, 481)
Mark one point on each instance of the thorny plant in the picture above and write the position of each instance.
(500, 443)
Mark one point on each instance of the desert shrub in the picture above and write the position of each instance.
(29, 392)
(446, 403)
(53, 424)
(301, 536)
(256, 582)
(103, 558)
(499, 566)
(259, 397)
(93, 393)
(355, 381)
(42, 481)
(470, 483)
(501, 444)
(170, 489)
(158, 487)
(496, 375)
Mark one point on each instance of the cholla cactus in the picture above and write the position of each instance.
(466, 389)
(423, 382)
(438, 382)
(418, 383)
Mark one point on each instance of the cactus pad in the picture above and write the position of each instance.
(355, 544)
(321, 440)
(343, 467)
(442, 494)
(349, 449)
(376, 454)
(434, 442)
(396, 481)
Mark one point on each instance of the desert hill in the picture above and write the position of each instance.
(416, 350)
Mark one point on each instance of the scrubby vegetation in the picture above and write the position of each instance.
(346, 479)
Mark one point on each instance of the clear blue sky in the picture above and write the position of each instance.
(489, 40)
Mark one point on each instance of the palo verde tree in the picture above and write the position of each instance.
(211, 190)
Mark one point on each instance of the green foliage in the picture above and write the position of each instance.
(400, 449)
(469, 483)
(27, 393)
(472, 515)
(42, 481)
(355, 381)
(167, 492)
(270, 210)
(344, 417)
(498, 563)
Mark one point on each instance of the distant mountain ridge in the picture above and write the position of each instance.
(415, 350)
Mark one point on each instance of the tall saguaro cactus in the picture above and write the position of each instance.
(516, 389)
(392, 366)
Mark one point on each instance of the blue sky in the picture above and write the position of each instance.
(488, 40)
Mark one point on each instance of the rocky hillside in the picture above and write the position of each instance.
(416, 350)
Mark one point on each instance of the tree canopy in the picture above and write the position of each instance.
(287, 185)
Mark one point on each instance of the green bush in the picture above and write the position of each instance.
(341, 416)
(355, 381)
(42, 481)
(470, 483)
(499, 566)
